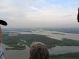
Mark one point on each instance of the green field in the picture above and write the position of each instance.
(69, 42)
(66, 56)
(50, 42)
(29, 38)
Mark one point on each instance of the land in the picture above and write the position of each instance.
(21, 40)
(66, 56)
(18, 40)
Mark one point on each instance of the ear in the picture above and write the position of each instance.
(2, 22)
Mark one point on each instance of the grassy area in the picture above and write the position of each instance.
(69, 42)
(50, 42)
(29, 38)
(66, 56)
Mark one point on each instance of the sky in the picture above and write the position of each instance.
(39, 13)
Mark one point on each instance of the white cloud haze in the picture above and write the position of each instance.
(33, 14)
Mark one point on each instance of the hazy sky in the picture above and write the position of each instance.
(39, 13)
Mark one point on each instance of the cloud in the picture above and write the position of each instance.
(35, 14)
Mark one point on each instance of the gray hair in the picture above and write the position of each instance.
(39, 50)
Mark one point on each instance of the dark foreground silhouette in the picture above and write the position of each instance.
(78, 15)
(2, 22)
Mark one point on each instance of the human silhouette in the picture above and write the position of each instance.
(78, 15)
(2, 55)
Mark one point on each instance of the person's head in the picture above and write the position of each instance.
(39, 50)
(2, 22)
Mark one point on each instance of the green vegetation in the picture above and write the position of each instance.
(66, 56)
(69, 42)
(29, 38)
(26, 39)
(18, 42)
